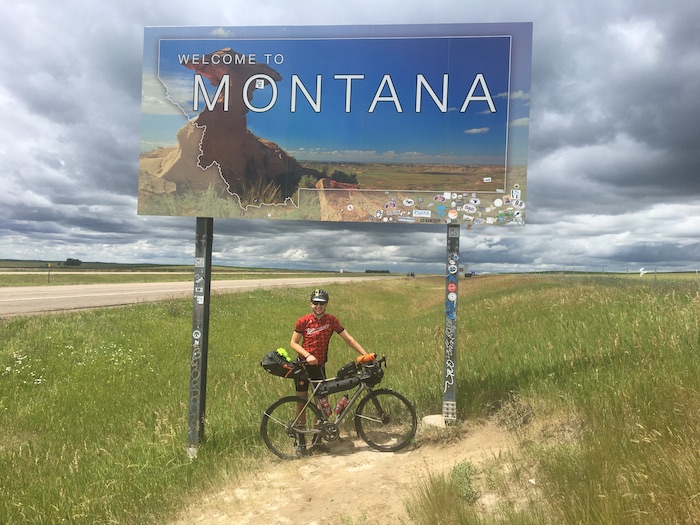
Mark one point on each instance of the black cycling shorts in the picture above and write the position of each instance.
(315, 372)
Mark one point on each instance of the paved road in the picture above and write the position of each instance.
(26, 300)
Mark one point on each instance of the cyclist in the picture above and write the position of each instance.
(310, 339)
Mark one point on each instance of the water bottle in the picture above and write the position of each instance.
(325, 406)
(341, 404)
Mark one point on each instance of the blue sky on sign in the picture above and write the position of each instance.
(613, 157)
(382, 116)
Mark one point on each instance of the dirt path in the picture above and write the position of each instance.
(352, 485)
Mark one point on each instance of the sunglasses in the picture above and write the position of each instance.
(318, 303)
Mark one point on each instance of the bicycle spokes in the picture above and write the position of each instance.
(286, 427)
(386, 420)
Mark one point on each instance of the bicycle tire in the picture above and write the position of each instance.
(386, 420)
(278, 430)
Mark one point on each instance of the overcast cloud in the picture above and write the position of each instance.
(614, 162)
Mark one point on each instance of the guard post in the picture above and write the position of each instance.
(200, 334)
(449, 403)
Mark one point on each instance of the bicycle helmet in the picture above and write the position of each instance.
(319, 296)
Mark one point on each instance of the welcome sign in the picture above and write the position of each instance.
(406, 124)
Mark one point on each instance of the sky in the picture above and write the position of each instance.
(613, 160)
(376, 121)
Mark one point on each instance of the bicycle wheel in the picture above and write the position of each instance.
(287, 435)
(386, 420)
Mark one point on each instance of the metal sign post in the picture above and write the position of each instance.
(200, 334)
(449, 403)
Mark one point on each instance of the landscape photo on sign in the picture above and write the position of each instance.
(405, 128)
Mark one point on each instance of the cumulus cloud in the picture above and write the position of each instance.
(613, 124)
(520, 123)
(476, 131)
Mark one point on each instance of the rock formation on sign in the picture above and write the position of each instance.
(218, 145)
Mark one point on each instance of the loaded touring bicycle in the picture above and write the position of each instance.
(293, 426)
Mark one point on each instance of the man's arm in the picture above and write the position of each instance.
(350, 340)
(295, 343)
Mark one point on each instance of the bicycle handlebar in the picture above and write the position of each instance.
(366, 359)
(370, 359)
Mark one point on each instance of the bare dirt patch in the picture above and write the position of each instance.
(351, 485)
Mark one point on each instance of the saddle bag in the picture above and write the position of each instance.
(277, 365)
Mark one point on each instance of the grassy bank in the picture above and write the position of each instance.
(66, 277)
(601, 384)
(598, 380)
(34, 273)
(93, 405)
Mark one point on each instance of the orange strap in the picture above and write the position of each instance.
(367, 358)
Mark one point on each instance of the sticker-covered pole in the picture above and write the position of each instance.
(200, 334)
(449, 403)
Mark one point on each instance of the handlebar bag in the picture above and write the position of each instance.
(372, 374)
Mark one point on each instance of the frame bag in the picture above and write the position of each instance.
(338, 385)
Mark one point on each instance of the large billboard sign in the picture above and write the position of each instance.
(408, 124)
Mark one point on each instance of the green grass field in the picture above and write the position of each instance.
(598, 380)
(38, 273)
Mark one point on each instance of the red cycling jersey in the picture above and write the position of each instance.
(317, 334)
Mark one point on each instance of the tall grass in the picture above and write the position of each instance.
(599, 380)
(93, 405)
(609, 377)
